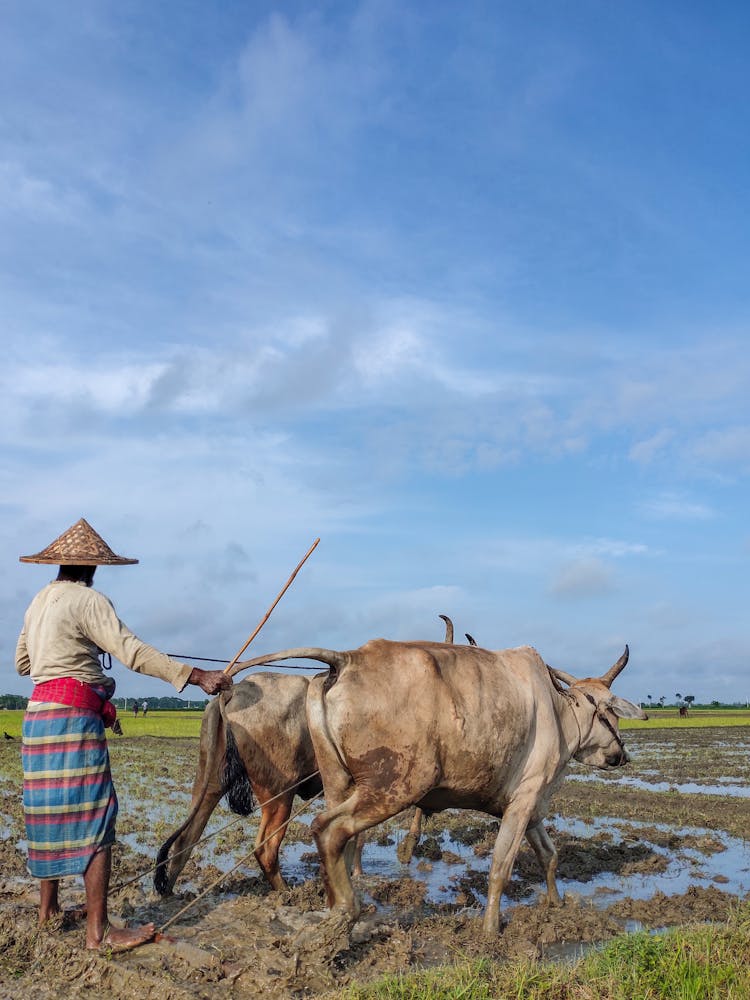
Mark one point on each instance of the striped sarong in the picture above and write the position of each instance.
(69, 800)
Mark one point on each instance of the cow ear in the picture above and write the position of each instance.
(625, 709)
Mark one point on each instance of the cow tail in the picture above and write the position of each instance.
(317, 716)
(234, 780)
(209, 731)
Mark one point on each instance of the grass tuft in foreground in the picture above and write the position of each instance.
(708, 962)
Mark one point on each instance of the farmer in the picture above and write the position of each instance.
(69, 800)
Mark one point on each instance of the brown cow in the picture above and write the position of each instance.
(442, 726)
(254, 742)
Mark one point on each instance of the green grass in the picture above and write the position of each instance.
(707, 962)
(176, 724)
(699, 718)
(188, 723)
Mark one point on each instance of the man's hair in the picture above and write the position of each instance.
(77, 574)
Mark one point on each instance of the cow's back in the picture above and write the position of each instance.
(476, 718)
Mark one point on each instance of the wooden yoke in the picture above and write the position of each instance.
(267, 615)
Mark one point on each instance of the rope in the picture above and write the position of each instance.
(238, 865)
(209, 659)
(203, 659)
(209, 836)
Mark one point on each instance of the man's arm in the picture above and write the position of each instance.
(23, 663)
(109, 633)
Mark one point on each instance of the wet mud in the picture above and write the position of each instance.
(629, 857)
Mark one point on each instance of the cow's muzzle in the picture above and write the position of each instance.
(618, 758)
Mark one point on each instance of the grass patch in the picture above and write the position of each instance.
(666, 718)
(182, 723)
(708, 962)
(186, 723)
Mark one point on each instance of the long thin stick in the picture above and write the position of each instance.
(268, 613)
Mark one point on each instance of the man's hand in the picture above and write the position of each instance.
(210, 681)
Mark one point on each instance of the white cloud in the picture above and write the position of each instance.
(652, 448)
(673, 505)
(725, 447)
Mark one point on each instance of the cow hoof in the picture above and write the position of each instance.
(405, 850)
(326, 938)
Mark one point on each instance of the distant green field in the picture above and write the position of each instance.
(188, 723)
(668, 718)
(183, 723)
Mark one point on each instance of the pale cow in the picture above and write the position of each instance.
(396, 724)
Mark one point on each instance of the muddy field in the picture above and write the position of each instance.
(661, 843)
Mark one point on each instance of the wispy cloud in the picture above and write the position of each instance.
(673, 505)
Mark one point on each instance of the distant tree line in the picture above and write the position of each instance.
(13, 701)
(689, 701)
(169, 703)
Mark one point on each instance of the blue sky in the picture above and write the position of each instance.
(461, 289)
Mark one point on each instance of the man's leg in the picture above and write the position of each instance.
(49, 904)
(98, 931)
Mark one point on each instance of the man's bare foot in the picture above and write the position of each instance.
(49, 916)
(123, 938)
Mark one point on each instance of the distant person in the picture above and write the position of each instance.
(136, 706)
(144, 707)
(70, 816)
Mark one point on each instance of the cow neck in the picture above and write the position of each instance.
(569, 708)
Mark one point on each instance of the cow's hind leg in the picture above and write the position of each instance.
(333, 831)
(546, 855)
(271, 832)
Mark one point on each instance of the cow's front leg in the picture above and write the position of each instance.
(405, 850)
(546, 855)
(509, 837)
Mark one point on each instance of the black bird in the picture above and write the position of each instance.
(8, 736)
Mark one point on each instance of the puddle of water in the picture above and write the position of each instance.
(730, 866)
(685, 788)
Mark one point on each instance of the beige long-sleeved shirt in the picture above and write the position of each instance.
(68, 625)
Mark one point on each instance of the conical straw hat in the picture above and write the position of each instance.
(79, 546)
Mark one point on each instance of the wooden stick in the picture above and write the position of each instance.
(268, 613)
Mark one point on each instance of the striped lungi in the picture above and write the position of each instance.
(69, 800)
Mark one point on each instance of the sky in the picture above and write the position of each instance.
(460, 289)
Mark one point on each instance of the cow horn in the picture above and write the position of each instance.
(562, 676)
(470, 638)
(330, 656)
(615, 669)
(448, 628)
